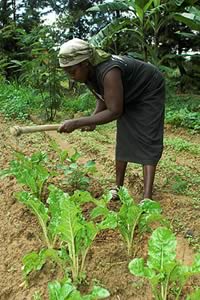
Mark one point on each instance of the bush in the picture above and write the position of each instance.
(16, 101)
(183, 110)
(84, 103)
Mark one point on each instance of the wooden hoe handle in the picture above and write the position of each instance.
(17, 130)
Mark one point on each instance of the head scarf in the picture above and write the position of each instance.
(76, 50)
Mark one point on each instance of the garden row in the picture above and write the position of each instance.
(68, 233)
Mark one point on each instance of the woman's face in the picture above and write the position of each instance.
(78, 72)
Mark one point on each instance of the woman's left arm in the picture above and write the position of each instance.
(113, 97)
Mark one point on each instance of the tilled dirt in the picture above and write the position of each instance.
(107, 261)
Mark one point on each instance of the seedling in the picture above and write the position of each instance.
(76, 173)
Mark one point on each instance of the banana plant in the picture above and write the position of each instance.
(145, 23)
(138, 22)
(191, 17)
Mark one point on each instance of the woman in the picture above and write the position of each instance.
(127, 90)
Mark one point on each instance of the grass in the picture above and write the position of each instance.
(183, 110)
(179, 145)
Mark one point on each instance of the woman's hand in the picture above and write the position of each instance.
(68, 126)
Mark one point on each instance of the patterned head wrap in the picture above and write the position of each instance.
(76, 50)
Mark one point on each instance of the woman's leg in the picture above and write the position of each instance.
(120, 167)
(148, 175)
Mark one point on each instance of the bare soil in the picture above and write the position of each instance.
(107, 261)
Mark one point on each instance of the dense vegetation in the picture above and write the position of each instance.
(166, 33)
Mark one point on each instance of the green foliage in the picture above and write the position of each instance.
(39, 69)
(179, 185)
(34, 261)
(77, 233)
(179, 145)
(29, 171)
(183, 111)
(82, 103)
(162, 269)
(65, 290)
(16, 101)
(129, 216)
(63, 225)
(77, 175)
(194, 296)
(39, 210)
(191, 17)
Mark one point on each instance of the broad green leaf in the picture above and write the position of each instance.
(194, 296)
(191, 18)
(69, 224)
(150, 206)
(110, 222)
(125, 196)
(99, 293)
(80, 197)
(60, 292)
(99, 211)
(85, 236)
(54, 200)
(137, 268)
(179, 2)
(161, 250)
(32, 262)
(142, 5)
(110, 6)
(156, 3)
(36, 206)
(104, 36)
(74, 157)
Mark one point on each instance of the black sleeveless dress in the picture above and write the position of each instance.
(140, 127)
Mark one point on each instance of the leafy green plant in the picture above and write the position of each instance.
(179, 185)
(65, 290)
(179, 144)
(40, 211)
(76, 233)
(130, 216)
(194, 296)
(29, 171)
(16, 101)
(83, 103)
(40, 69)
(63, 226)
(162, 269)
(77, 173)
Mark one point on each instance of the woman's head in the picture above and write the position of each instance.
(79, 72)
(76, 55)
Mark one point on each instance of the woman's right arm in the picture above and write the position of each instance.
(100, 106)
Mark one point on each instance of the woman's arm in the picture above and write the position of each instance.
(105, 112)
